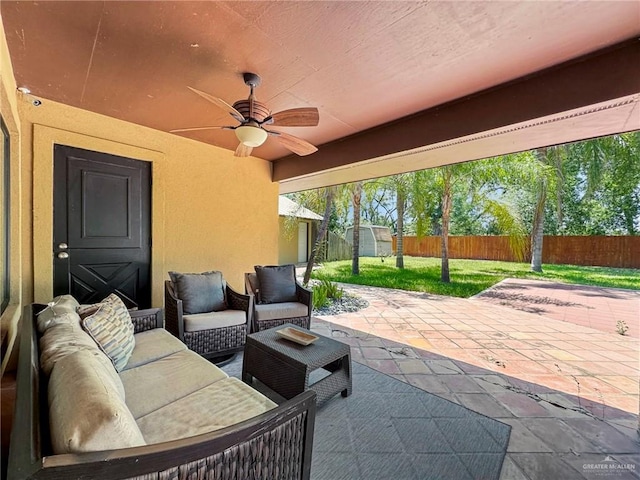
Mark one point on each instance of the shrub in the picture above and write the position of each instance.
(325, 290)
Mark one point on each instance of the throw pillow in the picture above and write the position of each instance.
(111, 330)
(115, 302)
(277, 283)
(199, 292)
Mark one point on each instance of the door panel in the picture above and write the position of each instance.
(102, 213)
(303, 242)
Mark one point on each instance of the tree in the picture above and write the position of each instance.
(329, 193)
(356, 197)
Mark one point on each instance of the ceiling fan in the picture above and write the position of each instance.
(254, 116)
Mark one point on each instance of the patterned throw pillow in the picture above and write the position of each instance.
(115, 301)
(112, 330)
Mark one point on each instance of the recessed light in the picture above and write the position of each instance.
(24, 90)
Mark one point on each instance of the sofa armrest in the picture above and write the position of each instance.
(147, 319)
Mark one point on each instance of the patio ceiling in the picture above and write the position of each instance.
(462, 79)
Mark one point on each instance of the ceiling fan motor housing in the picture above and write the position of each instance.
(260, 110)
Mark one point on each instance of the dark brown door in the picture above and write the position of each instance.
(102, 226)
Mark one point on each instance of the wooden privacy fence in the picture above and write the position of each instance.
(336, 248)
(618, 251)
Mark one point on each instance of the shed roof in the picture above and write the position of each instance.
(289, 208)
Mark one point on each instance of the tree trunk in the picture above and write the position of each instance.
(537, 231)
(322, 232)
(400, 231)
(355, 261)
(446, 213)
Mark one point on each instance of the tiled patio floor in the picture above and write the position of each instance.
(569, 392)
(595, 307)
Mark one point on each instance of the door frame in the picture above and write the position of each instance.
(44, 139)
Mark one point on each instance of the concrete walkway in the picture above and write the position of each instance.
(569, 392)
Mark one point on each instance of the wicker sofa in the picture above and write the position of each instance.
(275, 443)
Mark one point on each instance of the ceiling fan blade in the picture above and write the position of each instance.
(193, 129)
(243, 151)
(295, 144)
(220, 103)
(296, 117)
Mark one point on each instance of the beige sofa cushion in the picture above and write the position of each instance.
(206, 321)
(64, 338)
(56, 311)
(275, 311)
(151, 386)
(86, 412)
(152, 345)
(226, 402)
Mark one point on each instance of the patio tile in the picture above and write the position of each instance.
(545, 466)
(559, 436)
(421, 435)
(374, 353)
(465, 435)
(483, 466)
(510, 470)
(603, 435)
(439, 466)
(413, 366)
(374, 436)
(332, 437)
(443, 367)
(388, 366)
(335, 466)
(428, 383)
(521, 405)
(522, 439)
(461, 384)
(381, 466)
(483, 403)
(626, 384)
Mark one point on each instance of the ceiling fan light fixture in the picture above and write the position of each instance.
(251, 136)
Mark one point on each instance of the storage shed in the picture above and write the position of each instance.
(375, 240)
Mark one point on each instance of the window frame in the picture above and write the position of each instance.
(5, 225)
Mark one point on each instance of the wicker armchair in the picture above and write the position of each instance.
(275, 314)
(223, 338)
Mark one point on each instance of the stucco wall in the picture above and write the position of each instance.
(210, 210)
(288, 242)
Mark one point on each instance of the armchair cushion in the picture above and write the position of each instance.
(206, 321)
(276, 311)
(277, 283)
(199, 292)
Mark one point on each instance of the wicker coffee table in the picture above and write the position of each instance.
(284, 366)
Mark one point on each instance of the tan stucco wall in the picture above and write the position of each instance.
(210, 210)
(288, 242)
(288, 239)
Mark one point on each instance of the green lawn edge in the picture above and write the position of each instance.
(468, 277)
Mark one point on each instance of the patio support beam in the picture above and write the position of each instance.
(601, 76)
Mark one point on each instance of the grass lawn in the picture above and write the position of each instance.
(468, 277)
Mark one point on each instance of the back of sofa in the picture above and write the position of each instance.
(276, 444)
